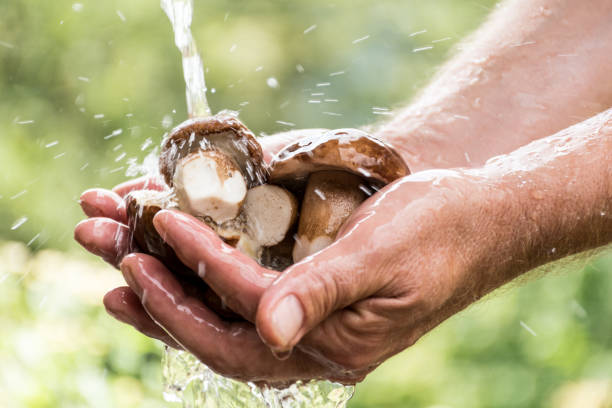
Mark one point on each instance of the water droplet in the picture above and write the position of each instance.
(529, 329)
(233, 48)
(19, 223)
(309, 29)
(30, 242)
(299, 68)
(114, 133)
(423, 49)
(167, 122)
(314, 101)
(77, 7)
(323, 84)
(83, 79)
(417, 33)
(201, 269)
(23, 122)
(336, 73)
(99, 116)
(331, 100)
(332, 113)
(358, 40)
(280, 122)
(442, 40)
(259, 68)
(19, 194)
(121, 16)
(320, 194)
(272, 83)
(51, 144)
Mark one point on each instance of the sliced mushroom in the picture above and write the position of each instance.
(210, 163)
(269, 212)
(209, 184)
(335, 172)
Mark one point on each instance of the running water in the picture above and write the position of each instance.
(186, 379)
(180, 13)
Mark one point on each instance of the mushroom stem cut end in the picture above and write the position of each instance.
(209, 184)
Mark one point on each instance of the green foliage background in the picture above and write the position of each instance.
(74, 73)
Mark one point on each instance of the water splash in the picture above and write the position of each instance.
(180, 13)
(191, 383)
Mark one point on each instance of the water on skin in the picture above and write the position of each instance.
(186, 379)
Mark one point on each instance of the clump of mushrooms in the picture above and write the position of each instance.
(333, 173)
(215, 171)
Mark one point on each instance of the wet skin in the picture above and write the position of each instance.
(428, 245)
(414, 254)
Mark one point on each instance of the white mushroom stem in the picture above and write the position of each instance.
(330, 198)
(209, 184)
(270, 212)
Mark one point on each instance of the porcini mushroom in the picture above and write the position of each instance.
(334, 173)
(211, 163)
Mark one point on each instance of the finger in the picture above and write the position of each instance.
(238, 279)
(105, 238)
(309, 292)
(232, 349)
(103, 203)
(123, 304)
(141, 183)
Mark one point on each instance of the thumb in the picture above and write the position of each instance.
(309, 292)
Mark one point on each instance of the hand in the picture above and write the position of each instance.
(398, 268)
(106, 234)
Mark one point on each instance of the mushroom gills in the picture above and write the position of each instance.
(329, 199)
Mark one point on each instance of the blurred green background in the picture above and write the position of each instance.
(89, 88)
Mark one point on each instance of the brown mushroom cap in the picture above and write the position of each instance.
(351, 150)
(222, 132)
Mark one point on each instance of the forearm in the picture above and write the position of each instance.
(536, 67)
(560, 194)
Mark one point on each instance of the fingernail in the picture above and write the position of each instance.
(281, 354)
(159, 222)
(287, 319)
(128, 275)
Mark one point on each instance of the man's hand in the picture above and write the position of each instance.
(395, 272)
(106, 234)
(419, 251)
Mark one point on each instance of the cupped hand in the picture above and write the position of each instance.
(106, 234)
(403, 263)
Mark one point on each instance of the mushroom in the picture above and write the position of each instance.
(211, 163)
(270, 212)
(334, 173)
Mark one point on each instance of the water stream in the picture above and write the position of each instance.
(186, 380)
